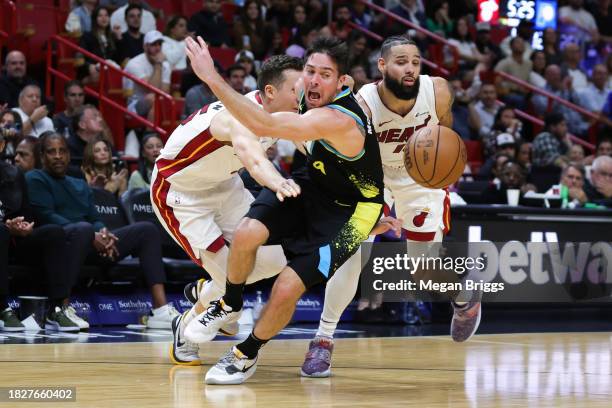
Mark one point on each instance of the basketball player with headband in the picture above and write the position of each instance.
(399, 105)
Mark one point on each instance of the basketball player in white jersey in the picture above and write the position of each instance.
(199, 197)
(399, 105)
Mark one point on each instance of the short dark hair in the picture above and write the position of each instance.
(174, 20)
(514, 39)
(34, 142)
(235, 67)
(46, 137)
(394, 40)
(334, 48)
(70, 84)
(78, 115)
(131, 7)
(576, 166)
(272, 71)
(553, 119)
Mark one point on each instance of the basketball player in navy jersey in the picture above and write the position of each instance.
(399, 105)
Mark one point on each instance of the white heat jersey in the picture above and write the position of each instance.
(393, 130)
(192, 158)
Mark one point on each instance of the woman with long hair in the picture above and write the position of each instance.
(101, 41)
(250, 30)
(99, 169)
(550, 44)
(462, 40)
(173, 46)
(151, 146)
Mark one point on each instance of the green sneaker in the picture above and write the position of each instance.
(58, 321)
(9, 321)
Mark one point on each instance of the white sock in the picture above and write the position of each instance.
(339, 293)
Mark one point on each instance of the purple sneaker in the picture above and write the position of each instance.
(465, 321)
(318, 359)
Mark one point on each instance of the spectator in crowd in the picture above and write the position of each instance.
(525, 31)
(594, 96)
(504, 144)
(361, 14)
(438, 20)
(599, 190)
(571, 66)
(339, 28)
(132, 39)
(173, 46)
(33, 114)
(51, 186)
(196, 97)
(79, 19)
(119, 18)
(485, 46)
(576, 154)
(209, 24)
(523, 155)
(491, 170)
(235, 77)
(87, 125)
(409, 10)
(99, 170)
(275, 39)
(556, 85)
(27, 155)
(516, 66)
(466, 47)
(250, 31)
(538, 61)
(505, 122)
(74, 99)
(513, 176)
(572, 177)
(278, 13)
(14, 79)
(603, 19)
(484, 110)
(150, 66)
(358, 72)
(602, 148)
(151, 146)
(550, 44)
(460, 110)
(358, 50)
(298, 20)
(303, 41)
(10, 129)
(245, 59)
(100, 41)
(575, 14)
(550, 148)
(20, 239)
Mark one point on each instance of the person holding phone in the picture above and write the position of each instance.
(99, 169)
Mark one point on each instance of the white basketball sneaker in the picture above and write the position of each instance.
(183, 352)
(72, 315)
(206, 325)
(233, 368)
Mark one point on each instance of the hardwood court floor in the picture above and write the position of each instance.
(510, 370)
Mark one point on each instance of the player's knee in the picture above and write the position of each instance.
(287, 290)
(250, 235)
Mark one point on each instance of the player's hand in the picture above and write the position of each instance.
(201, 61)
(388, 223)
(349, 81)
(286, 189)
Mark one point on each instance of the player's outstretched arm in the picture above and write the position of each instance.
(444, 101)
(250, 152)
(315, 124)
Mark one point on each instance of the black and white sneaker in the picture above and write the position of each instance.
(233, 368)
(183, 352)
(193, 289)
(206, 325)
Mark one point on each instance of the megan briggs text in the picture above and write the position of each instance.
(442, 287)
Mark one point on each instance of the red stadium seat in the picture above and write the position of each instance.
(224, 56)
(229, 11)
(190, 7)
(474, 154)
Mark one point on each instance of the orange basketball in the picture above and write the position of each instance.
(435, 156)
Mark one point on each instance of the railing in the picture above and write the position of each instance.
(435, 67)
(416, 27)
(103, 91)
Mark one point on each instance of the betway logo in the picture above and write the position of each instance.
(537, 260)
(399, 135)
(133, 305)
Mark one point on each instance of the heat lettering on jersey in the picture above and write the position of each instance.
(399, 135)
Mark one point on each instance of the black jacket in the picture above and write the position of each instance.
(211, 27)
(14, 201)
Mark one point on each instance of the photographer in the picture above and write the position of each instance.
(10, 130)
